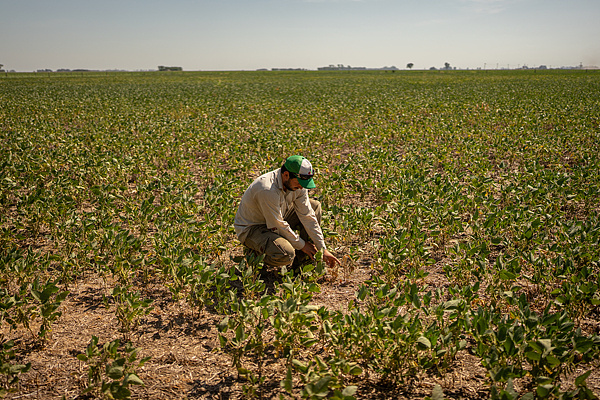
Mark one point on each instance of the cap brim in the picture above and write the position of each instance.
(307, 183)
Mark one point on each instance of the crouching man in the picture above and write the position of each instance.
(273, 207)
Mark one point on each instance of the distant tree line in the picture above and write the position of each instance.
(163, 68)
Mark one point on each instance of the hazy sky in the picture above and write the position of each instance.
(252, 34)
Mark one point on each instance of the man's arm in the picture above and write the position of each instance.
(307, 217)
(309, 220)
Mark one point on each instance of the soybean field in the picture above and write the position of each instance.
(464, 206)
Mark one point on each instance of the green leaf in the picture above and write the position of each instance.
(489, 221)
(349, 391)
(553, 361)
(509, 391)
(36, 295)
(133, 379)
(115, 372)
(362, 292)
(580, 380)
(287, 382)
(307, 342)
(451, 304)
(533, 355)
(223, 325)
(321, 387)
(143, 361)
(307, 268)
(18, 368)
(415, 299)
(423, 343)
(546, 344)
(356, 370)
(222, 341)
(507, 275)
(239, 333)
(314, 288)
(300, 366)
(119, 391)
(543, 391)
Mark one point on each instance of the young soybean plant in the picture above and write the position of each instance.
(110, 370)
(49, 301)
(10, 372)
(129, 308)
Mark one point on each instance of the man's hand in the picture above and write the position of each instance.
(330, 259)
(310, 249)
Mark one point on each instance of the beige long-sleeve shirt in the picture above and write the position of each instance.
(266, 202)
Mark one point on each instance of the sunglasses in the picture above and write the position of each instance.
(305, 177)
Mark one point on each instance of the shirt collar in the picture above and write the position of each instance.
(279, 180)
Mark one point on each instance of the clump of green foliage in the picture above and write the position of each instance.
(111, 369)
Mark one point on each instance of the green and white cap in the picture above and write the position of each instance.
(300, 168)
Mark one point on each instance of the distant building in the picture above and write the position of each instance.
(163, 68)
(339, 67)
(342, 67)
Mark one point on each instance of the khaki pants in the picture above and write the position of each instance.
(277, 250)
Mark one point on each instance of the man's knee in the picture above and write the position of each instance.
(279, 252)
